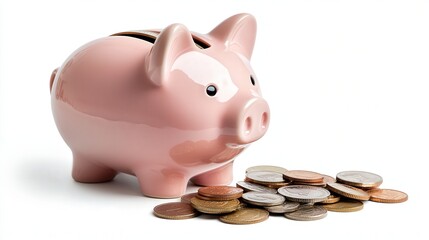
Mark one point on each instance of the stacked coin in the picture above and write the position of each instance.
(364, 186)
(300, 189)
(217, 199)
(223, 201)
(296, 194)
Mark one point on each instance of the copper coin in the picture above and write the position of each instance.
(303, 176)
(221, 192)
(265, 177)
(215, 207)
(245, 216)
(387, 196)
(327, 178)
(307, 213)
(283, 208)
(249, 186)
(277, 185)
(263, 198)
(187, 197)
(206, 198)
(304, 193)
(360, 179)
(348, 191)
(266, 168)
(269, 185)
(346, 205)
(175, 210)
(331, 199)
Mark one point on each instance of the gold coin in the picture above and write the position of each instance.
(267, 168)
(215, 207)
(348, 191)
(331, 199)
(346, 205)
(387, 196)
(245, 216)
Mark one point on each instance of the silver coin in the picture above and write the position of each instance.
(266, 168)
(283, 208)
(360, 179)
(319, 184)
(263, 199)
(265, 177)
(304, 193)
(307, 213)
(248, 186)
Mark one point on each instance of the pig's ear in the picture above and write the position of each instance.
(173, 41)
(238, 33)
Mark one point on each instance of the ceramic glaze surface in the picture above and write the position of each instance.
(167, 111)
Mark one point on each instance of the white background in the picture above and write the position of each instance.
(347, 83)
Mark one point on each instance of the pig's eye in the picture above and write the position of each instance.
(211, 90)
(252, 81)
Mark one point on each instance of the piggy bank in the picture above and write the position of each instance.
(167, 106)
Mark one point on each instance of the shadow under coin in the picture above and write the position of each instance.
(209, 216)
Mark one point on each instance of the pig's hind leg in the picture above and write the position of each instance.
(216, 177)
(87, 170)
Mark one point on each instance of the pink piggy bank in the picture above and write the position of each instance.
(166, 106)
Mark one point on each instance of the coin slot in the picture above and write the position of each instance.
(200, 42)
(143, 37)
(151, 37)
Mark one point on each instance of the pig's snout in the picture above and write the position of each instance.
(253, 120)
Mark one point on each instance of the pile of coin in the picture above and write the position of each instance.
(297, 194)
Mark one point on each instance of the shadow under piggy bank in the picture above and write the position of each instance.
(50, 176)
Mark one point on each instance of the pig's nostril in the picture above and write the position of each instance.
(264, 120)
(247, 125)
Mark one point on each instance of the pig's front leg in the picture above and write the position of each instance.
(216, 177)
(89, 170)
(162, 183)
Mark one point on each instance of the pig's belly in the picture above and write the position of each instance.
(127, 147)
